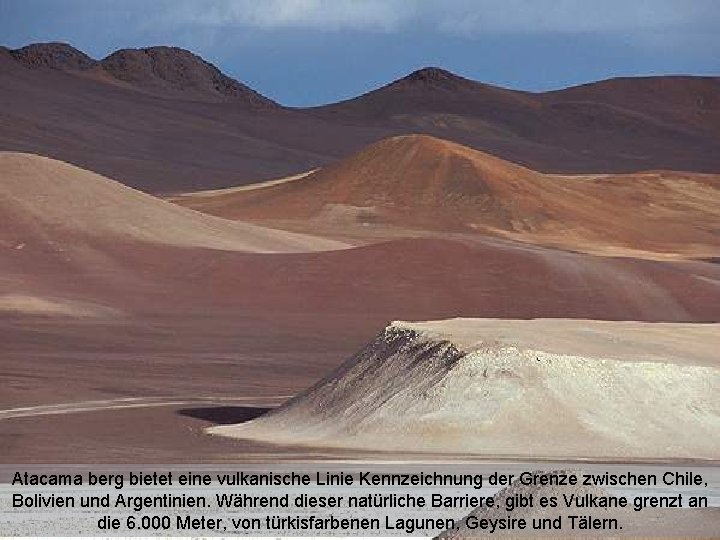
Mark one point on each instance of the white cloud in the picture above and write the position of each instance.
(567, 16)
(376, 15)
(461, 17)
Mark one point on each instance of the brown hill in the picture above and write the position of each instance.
(420, 182)
(162, 119)
(693, 102)
(429, 90)
(174, 71)
(50, 206)
(605, 126)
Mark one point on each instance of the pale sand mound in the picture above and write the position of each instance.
(18, 303)
(430, 184)
(537, 388)
(45, 202)
(650, 522)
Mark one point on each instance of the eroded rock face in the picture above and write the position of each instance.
(515, 388)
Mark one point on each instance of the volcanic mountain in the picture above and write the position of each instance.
(169, 72)
(540, 388)
(163, 120)
(424, 183)
(158, 119)
(610, 126)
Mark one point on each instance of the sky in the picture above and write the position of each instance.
(309, 52)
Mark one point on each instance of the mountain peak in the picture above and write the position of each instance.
(432, 74)
(433, 77)
(53, 55)
(173, 69)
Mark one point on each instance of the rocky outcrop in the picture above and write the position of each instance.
(539, 388)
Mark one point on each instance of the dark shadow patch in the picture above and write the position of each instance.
(225, 414)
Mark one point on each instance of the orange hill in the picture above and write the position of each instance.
(430, 184)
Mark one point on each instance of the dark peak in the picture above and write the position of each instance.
(178, 70)
(158, 53)
(53, 55)
(432, 74)
(433, 77)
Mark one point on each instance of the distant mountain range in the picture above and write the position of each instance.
(163, 119)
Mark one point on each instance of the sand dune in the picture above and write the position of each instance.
(48, 204)
(538, 388)
(20, 304)
(426, 183)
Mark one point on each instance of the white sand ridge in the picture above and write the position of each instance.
(536, 388)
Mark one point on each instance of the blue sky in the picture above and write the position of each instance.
(306, 52)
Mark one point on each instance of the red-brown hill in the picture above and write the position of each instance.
(424, 183)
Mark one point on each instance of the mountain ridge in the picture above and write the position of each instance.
(61, 55)
(163, 120)
(173, 70)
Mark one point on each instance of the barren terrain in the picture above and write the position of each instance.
(287, 238)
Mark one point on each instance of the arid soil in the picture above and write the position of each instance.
(107, 294)
(206, 368)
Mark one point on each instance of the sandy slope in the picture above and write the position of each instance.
(49, 202)
(540, 388)
(76, 243)
(33, 305)
(426, 183)
(417, 279)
